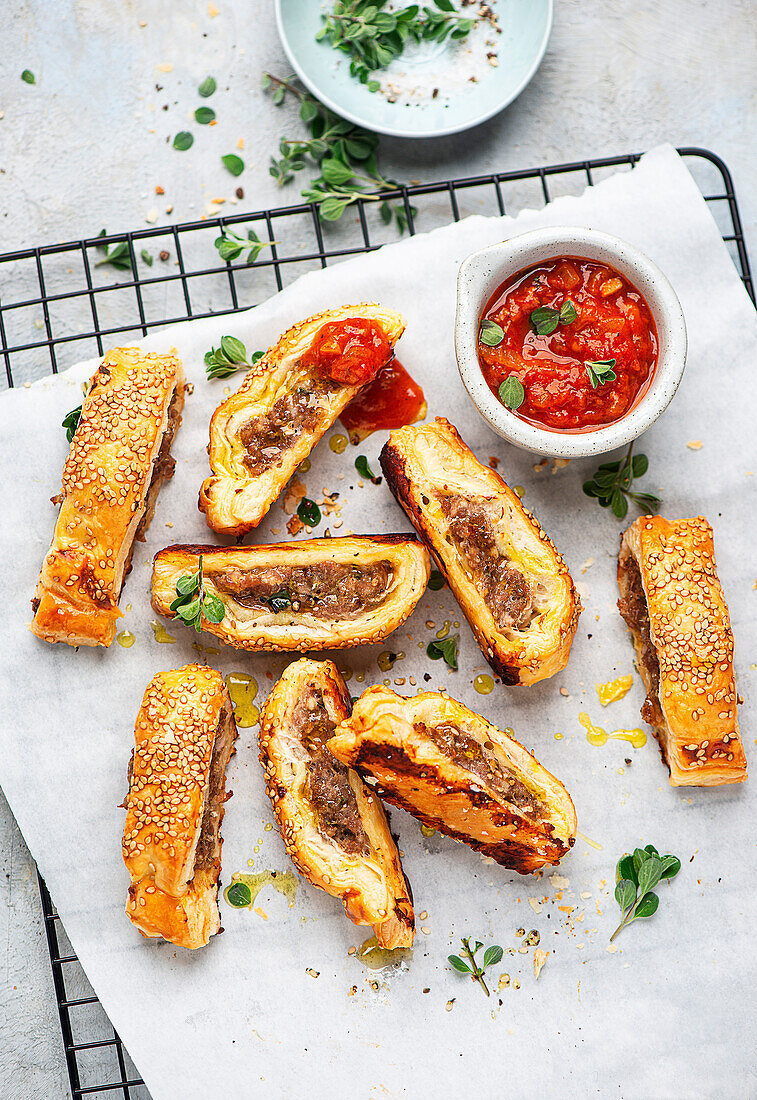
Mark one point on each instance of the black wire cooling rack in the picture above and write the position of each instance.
(60, 304)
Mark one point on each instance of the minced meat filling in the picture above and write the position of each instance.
(632, 605)
(266, 437)
(208, 846)
(469, 753)
(330, 792)
(505, 590)
(326, 590)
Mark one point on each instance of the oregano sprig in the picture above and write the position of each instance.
(345, 154)
(118, 255)
(446, 648)
(545, 319)
(476, 969)
(600, 371)
(193, 601)
(230, 245)
(611, 485)
(230, 357)
(636, 877)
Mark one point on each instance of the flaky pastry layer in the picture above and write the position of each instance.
(674, 606)
(334, 828)
(466, 514)
(184, 737)
(459, 774)
(407, 569)
(235, 500)
(119, 456)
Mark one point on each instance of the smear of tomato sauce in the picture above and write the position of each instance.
(613, 322)
(392, 400)
(349, 352)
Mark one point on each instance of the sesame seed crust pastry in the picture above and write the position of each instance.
(334, 828)
(238, 575)
(454, 771)
(119, 457)
(184, 738)
(673, 604)
(235, 498)
(510, 581)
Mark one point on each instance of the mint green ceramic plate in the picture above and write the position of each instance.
(469, 87)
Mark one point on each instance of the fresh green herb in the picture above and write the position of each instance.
(193, 601)
(205, 115)
(511, 392)
(28, 77)
(490, 333)
(207, 87)
(362, 467)
(230, 245)
(373, 37)
(636, 876)
(309, 512)
(239, 895)
(446, 648)
(146, 257)
(71, 422)
(183, 141)
(280, 600)
(492, 956)
(345, 155)
(231, 356)
(435, 581)
(545, 319)
(118, 255)
(234, 164)
(600, 371)
(612, 482)
(568, 312)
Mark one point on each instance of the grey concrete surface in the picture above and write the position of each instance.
(86, 146)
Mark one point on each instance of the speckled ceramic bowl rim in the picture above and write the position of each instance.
(483, 271)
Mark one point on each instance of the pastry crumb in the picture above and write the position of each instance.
(587, 564)
(535, 904)
(540, 957)
(313, 973)
(694, 444)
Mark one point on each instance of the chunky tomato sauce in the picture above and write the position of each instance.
(391, 400)
(349, 352)
(583, 360)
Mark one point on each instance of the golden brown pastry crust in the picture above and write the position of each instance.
(118, 459)
(425, 466)
(388, 737)
(184, 737)
(233, 499)
(254, 629)
(691, 701)
(370, 883)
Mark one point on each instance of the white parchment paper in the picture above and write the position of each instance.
(670, 1012)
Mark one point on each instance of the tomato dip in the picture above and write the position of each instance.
(391, 400)
(568, 345)
(349, 352)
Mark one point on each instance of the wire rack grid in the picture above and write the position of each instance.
(60, 304)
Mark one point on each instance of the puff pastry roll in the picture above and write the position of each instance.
(457, 773)
(672, 602)
(261, 434)
(334, 829)
(314, 594)
(119, 458)
(512, 585)
(184, 737)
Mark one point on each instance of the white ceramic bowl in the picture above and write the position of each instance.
(481, 274)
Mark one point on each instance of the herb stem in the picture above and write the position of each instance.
(477, 972)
